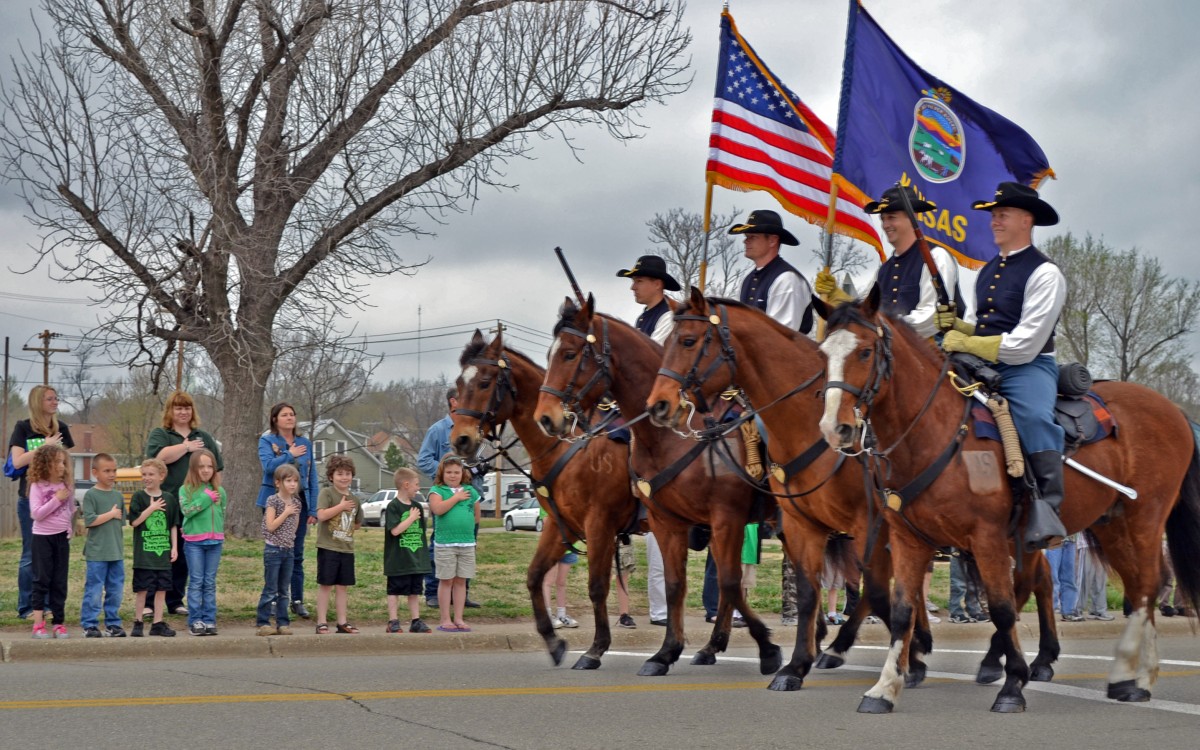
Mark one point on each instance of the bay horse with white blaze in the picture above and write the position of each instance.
(582, 487)
(593, 355)
(885, 379)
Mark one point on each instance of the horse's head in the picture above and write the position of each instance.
(697, 364)
(858, 354)
(485, 393)
(578, 371)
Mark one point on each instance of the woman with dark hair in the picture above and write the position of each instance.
(283, 444)
(42, 428)
(174, 443)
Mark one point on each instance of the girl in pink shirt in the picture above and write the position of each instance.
(52, 506)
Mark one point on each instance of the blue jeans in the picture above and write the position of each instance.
(297, 572)
(964, 601)
(710, 595)
(107, 578)
(25, 567)
(431, 579)
(1031, 390)
(277, 572)
(1062, 567)
(202, 562)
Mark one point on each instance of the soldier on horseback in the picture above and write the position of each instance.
(650, 281)
(1019, 296)
(774, 286)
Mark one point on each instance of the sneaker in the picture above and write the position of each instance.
(981, 617)
(872, 620)
(115, 631)
(136, 630)
(1072, 617)
(60, 631)
(1100, 616)
(393, 626)
(789, 622)
(626, 621)
(738, 622)
(554, 620)
(931, 606)
(264, 630)
(961, 619)
(180, 610)
(283, 630)
(835, 618)
(210, 629)
(299, 610)
(431, 602)
(418, 626)
(934, 618)
(567, 621)
(92, 633)
(40, 633)
(1167, 610)
(196, 628)
(161, 628)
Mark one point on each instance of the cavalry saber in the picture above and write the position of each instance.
(939, 286)
(570, 276)
(1128, 492)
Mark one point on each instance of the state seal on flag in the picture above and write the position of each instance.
(936, 143)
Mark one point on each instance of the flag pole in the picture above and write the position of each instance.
(708, 192)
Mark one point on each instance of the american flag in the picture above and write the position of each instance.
(765, 138)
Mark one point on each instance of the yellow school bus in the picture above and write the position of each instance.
(128, 482)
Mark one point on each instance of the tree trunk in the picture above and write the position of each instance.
(240, 430)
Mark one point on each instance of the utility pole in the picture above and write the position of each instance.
(179, 369)
(497, 512)
(418, 344)
(46, 351)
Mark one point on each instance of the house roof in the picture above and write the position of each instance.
(357, 440)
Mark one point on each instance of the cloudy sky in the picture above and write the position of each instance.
(1108, 90)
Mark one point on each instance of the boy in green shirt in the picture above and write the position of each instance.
(339, 515)
(104, 551)
(155, 516)
(405, 552)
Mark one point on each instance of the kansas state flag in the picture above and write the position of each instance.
(897, 122)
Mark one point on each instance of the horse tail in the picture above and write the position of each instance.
(840, 557)
(1183, 535)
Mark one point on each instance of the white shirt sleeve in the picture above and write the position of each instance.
(663, 328)
(1045, 295)
(921, 317)
(788, 298)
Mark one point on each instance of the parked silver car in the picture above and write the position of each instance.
(373, 508)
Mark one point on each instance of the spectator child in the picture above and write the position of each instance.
(556, 579)
(202, 501)
(154, 515)
(339, 515)
(52, 507)
(405, 552)
(280, 520)
(455, 506)
(104, 551)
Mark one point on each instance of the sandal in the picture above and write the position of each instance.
(323, 629)
(345, 627)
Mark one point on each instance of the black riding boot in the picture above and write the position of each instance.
(1042, 526)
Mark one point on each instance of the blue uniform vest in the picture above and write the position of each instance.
(900, 282)
(757, 285)
(648, 320)
(1000, 293)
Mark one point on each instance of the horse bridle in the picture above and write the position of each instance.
(881, 370)
(571, 397)
(503, 387)
(690, 384)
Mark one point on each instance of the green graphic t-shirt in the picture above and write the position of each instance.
(152, 539)
(407, 554)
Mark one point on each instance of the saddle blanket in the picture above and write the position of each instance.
(985, 423)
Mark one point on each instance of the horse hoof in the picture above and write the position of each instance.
(828, 660)
(770, 662)
(653, 669)
(704, 659)
(587, 662)
(1127, 691)
(1009, 704)
(558, 652)
(988, 674)
(872, 705)
(786, 683)
(1041, 673)
(914, 677)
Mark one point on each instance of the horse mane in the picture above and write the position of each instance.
(849, 312)
(737, 304)
(524, 358)
(472, 350)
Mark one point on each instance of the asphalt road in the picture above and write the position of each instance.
(511, 699)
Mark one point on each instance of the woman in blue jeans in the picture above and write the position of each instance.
(282, 445)
(42, 428)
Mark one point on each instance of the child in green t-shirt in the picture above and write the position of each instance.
(104, 551)
(455, 504)
(405, 552)
(155, 517)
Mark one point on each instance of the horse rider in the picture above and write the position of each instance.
(650, 283)
(1019, 296)
(904, 279)
(774, 286)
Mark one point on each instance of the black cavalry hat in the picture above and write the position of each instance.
(765, 222)
(1016, 195)
(653, 267)
(891, 201)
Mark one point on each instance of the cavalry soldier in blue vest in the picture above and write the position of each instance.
(1019, 296)
(650, 282)
(905, 284)
(774, 286)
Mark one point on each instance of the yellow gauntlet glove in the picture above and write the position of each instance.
(984, 347)
(826, 285)
(946, 320)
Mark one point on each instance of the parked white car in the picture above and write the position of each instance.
(373, 508)
(527, 515)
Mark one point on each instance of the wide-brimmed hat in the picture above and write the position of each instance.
(652, 267)
(891, 201)
(1016, 195)
(765, 222)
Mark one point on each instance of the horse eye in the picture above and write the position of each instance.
(485, 385)
(865, 354)
(569, 356)
(688, 342)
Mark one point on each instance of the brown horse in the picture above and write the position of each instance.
(721, 345)
(885, 380)
(595, 354)
(583, 487)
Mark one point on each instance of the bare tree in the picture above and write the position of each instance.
(128, 411)
(221, 168)
(847, 257)
(77, 390)
(678, 236)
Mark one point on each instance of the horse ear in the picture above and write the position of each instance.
(477, 339)
(870, 305)
(697, 299)
(821, 307)
(497, 344)
(589, 307)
